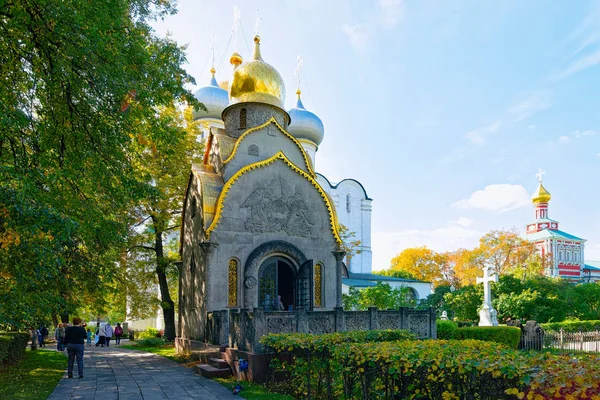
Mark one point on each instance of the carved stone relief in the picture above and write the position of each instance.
(357, 322)
(390, 321)
(321, 323)
(419, 325)
(253, 150)
(250, 282)
(280, 325)
(276, 208)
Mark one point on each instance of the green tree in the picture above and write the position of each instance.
(465, 302)
(437, 300)
(382, 296)
(80, 81)
(157, 218)
(586, 301)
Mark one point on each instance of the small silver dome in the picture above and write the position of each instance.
(214, 98)
(305, 124)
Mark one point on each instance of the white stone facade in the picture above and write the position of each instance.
(353, 208)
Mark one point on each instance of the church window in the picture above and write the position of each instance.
(193, 208)
(318, 285)
(253, 150)
(348, 204)
(232, 279)
(410, 295)
(243, 118)
(192, 281)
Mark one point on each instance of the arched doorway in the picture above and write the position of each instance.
(276, 277)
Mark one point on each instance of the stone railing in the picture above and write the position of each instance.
(243, 328)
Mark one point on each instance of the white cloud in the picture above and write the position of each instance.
(498, 198)
(357, 34)
(564, 140)
(525, 108)
(387, 245)
(391, 12)
(580, 64)
(479, 135)
(463, 221)
(579, 134)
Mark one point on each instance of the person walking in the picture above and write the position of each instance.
(101, 335)
(75, 336)
(89, 337)
(58, 338)
(40, 336)
(118, 333)
(109, 333)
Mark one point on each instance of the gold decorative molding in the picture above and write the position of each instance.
(279, 156)
(285, 133)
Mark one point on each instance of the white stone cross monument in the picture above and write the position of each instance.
(488, 316)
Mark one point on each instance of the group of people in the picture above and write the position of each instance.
(74, 337)
(104, 333)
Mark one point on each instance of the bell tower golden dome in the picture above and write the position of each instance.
(257, 81)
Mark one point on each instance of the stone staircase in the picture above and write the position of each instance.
(213, 366)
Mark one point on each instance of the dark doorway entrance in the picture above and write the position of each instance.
(276, 278)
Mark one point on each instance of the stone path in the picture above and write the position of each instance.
(115, 373)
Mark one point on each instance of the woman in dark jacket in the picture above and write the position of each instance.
(75, 338)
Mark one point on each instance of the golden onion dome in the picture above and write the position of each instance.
(234, 60)
(541, 195)
(257, 81)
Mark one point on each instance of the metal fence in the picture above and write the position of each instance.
(562, 342)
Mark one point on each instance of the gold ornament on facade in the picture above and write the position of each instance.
(257, 81)
(232, 283)
(318, 286)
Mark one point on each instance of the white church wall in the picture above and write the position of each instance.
(353, 209)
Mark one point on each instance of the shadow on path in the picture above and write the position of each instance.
(114, 373)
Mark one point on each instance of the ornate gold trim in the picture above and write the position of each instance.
(259, 127)
(279, 156)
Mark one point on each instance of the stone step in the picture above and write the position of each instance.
(208, 371)
(218, 362)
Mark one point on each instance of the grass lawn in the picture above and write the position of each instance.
(34, 377)
(168, 350)
(253, 391)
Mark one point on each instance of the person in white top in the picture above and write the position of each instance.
(101, 331)
(108, 333)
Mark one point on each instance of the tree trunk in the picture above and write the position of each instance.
(54, 319)
(166, 303)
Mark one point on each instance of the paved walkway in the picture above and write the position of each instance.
(115, 373)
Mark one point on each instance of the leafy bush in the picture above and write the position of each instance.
(149, 333)
(572, 326)
(440, 369)
(445, 329)
(12, 347)
(151, 342)
(312, 359)
(506, 335)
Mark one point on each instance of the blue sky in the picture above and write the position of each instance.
(444, 110)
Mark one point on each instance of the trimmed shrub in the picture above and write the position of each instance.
(311, 357)
(506, 335)
(148, 333)
(445, 329)
(12, 347)
(151, 342)
(440, 369)
(572, 326)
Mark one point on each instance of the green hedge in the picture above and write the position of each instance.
(12, 347)
(312, 356)
(445, 329)
(572, 326)
(506, 335)
(440, 369)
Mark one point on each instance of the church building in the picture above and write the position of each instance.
(260, 244)
(566, 250)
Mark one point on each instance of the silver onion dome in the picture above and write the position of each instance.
(305, 124)
(214, 98)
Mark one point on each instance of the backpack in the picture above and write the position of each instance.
(118, 330)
